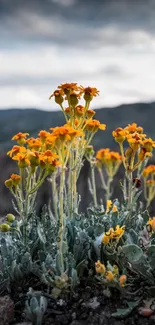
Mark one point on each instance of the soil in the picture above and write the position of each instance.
(87, 306)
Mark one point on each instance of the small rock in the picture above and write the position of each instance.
(92, 303)
(6, 310)
(74, 316)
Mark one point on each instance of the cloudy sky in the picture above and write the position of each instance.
(109, 44)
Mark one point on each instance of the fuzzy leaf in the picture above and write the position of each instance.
(41, 235)
(124, 312)
(132, 252)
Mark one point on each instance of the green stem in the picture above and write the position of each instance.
(102, 178)
(70, 185)
(108, 194)
(93, 184)
(130, 191)
(75, 207)
(55, 195)
(61, 223)
(38, 184)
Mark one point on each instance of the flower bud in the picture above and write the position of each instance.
(109, 276)
(122, 280)
(10, 217)
(73, 100)
(9, 183)
(4, 227)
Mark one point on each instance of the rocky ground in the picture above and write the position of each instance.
(89, 306)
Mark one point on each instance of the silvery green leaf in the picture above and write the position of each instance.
(34, 304)
(41, 234)
(59, 263)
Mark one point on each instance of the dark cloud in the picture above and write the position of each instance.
(106, 43)
(74, 20)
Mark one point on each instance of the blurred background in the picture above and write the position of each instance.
(107, 44)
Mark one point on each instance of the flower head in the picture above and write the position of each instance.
(151, 222)
(89, 93)
(16, 179)
(15, 150)
(22, 159)
(20, 137)
(66, 88)
(94, 125)
(122, 280)
(58, 95)
(100, 268)
(109, 276)
(132, 128)
(149, 170)
(148, 144)
(109, 206)
(34, 144)
(120, 135)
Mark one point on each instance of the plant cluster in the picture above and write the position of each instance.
(113, 243)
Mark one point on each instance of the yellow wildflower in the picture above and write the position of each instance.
(120, 135)
(122, 280)
(15, 150)
(109, 276)
(34, 144)
(16, 179)
(148, 144)
(115, 270)
(94, 125)
(79, 110)
(66, 88)
(58, 94)
(22, 159)
(132, 128)
(149, 170)
(89, 93)
(119, 232)
(90, 113)
(109, 206)
(114, 209)
(108, 236)
(151, 222)
(20, 137)
(100, 268)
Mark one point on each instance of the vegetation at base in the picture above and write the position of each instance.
(112, 244)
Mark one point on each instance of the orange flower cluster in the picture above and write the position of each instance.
(149, 171)
(138, 143)
(151, 222)
(112, 234)
(79, 116)
(110, 159)
(14, 180)
(35, 152)
(111, 273)
(72, 92)
(149, 183)
(111, 207)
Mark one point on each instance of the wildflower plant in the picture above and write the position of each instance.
(149, 184)
(109, 162)
(114, 242)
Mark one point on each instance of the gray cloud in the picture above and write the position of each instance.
(83, 22)
(106, 43)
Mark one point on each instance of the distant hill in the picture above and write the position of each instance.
(33, 120)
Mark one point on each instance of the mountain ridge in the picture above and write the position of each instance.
(32, 120)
